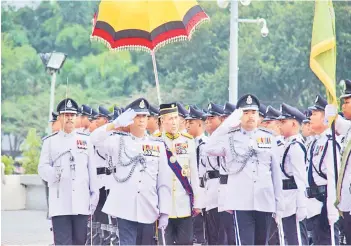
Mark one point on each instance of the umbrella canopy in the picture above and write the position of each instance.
(146, 25)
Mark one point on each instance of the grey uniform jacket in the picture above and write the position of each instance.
(254, 175)
(141, 190)
(66, 164)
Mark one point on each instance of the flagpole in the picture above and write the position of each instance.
(334, 153)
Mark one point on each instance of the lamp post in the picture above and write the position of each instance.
(234, 39)
(53, 62)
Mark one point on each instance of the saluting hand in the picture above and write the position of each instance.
(125, 119)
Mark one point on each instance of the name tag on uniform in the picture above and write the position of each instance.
(181, 148)
(151, 150)
(319, 149)
(82, 144)
(264, 142)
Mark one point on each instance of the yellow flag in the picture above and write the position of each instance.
(323, 47)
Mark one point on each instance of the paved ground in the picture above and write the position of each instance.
(25, 227)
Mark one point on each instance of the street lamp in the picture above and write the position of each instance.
(53, 62)
(234, 38)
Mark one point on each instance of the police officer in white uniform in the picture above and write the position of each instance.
(86, 112)
(220, 224)
(321, 177)
(343, 192)
(141, 193)
(195, 127)
(254, 178)
(185, 181)
(183, 113)
(294, 176)
(152, 123)
(66, 164)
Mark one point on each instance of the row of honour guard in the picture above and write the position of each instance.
(225, 175)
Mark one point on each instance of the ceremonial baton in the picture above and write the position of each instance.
(281, 232)
(163, 236)
(332, 234)
(298, 231)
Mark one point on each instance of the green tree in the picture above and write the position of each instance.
(8, 161)
(31, 152)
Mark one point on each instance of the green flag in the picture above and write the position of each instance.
(323, 47)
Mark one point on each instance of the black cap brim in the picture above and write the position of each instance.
(345, 96)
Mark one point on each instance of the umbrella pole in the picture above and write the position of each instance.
(156, 76)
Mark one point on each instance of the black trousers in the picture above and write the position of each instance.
(226, 234)
(212, 226)
(253, 227)
(70, 229)
(178, 232)
(199, 230)
(321, 233)
(134, 233)
(290, 231)
(346, 224)
(99, 216)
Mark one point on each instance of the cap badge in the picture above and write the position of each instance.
(316, 99)
(142, 104)
(209, 106)
(267, 110)
(172, 106)
(249, 100)
(69, 104)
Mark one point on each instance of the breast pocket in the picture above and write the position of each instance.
(264, 157)
(81, 163)
(152, 166)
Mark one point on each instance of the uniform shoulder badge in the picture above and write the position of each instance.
(265, 130)
(49, 136)
(159, 134)
(187, 135)
(83, 133)
(119, 133)
(234, 129)
(155, 138)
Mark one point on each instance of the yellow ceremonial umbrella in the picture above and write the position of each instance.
(146, 25)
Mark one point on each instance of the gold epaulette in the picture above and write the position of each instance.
(159, 134)
(187, 135)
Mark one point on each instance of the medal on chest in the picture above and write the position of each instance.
(151, 150)
(264, 142)
(186, 170)
(82, 144)
(181, 148)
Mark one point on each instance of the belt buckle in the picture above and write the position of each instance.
(107, 171)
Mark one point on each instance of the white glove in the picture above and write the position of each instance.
(330, 110)
(125, 119)
(231, 122)
(94, 200)
(301, 213)
(163, 221)
(278, 218)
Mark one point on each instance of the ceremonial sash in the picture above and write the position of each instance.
(177, 170)
(344, 159)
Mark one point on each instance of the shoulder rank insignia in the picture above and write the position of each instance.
(187, 135)
(280, 143)
(265, 130)
(119, 133)
(83, 133)
(234, 129)
(159, 134)
(46, 137)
